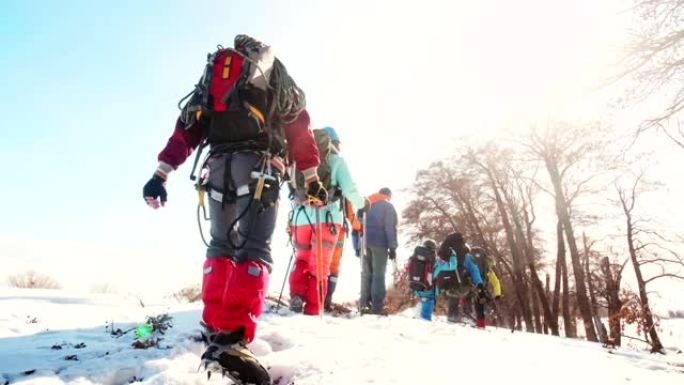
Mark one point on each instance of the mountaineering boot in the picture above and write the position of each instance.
(332, 283)
(206, 333)
(296, 304)
(382, 312)
(228, 354)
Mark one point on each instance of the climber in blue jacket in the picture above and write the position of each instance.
(458, 274)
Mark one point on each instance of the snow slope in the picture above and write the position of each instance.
(298, 349)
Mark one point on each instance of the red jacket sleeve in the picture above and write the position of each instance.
(181, 144)
(301, 143)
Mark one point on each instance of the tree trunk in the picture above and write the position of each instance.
(614, 303)
(656, 345)
(568, 319)
(525, 242)
(538, 324)
(580, 286)
(547, 293)
(598, 324)
(518, 278)
(560, 251)
(536, 282)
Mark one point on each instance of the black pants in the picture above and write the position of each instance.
(469, 301)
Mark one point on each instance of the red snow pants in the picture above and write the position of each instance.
(305, 277)
(233, 294)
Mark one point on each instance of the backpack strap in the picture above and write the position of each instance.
(331, 224)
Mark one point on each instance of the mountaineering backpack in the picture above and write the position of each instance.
(453, 282)
(232, 99)
(480, 259)
(420, 267)
(325, 149)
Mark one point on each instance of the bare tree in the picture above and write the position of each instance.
(448, 199)
(494, 177)
(655, 61)
(561, 147)
(529, 217)
(646, 248)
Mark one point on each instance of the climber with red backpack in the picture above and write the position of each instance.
(315, 229)
(421, 274)
(251, 114)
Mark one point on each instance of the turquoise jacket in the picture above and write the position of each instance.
(339, 177)
(470, 269)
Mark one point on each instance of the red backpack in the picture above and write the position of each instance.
(420, 267)
(232, 98)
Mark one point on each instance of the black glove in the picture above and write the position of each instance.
(154, 192)
(316, 192)
(392, 254)
(497, 298)
(366, 205)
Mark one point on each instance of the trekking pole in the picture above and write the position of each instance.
(287, 272)
(363, 248)
(319, 261)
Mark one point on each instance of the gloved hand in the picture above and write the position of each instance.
(366, 205)
(392, 254)
(316, 192)
(482, 295)
(154, 191)
(497, 298)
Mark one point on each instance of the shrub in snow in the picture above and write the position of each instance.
(32, 280)
(148, 334)
(104, 288)
(399, 297)
(188, 294)
(675, 313)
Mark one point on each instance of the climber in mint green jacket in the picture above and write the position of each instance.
(332, 212)
(304, 295)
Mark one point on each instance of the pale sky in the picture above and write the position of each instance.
(90, 92)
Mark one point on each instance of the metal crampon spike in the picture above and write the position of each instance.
(208, 375)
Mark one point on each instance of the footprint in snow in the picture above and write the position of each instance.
(276, 342)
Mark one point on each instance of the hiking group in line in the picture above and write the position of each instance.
(252, 117)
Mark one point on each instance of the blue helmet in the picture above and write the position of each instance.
(333, 134)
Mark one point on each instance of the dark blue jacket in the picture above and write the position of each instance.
(381, 225)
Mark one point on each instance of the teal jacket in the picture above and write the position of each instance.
(339, 177)
(470, 270)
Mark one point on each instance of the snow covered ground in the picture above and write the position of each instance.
(40, 329)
